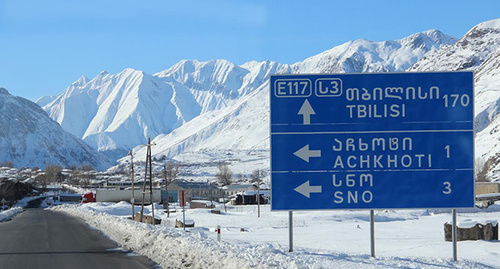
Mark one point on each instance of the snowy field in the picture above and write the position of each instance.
(322, 239)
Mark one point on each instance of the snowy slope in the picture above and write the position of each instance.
(28, 137)
(45, 100)
(370, 56)
(477, 50)
(469, 52)
(245, 125)
(211, 82)
(119, 111)
(488, 107)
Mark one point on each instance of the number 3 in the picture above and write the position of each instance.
(447, 187)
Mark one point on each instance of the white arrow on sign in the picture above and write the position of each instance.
(304, 153)
(306, 111)
(306, 190)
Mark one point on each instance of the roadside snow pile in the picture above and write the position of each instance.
(197, 248)
(18, 207)
(24, 202)
(10, 213)
(169, 247)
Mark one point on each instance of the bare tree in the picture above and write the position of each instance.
(42, 181)
(225, 174)
(8, 164)
(87, 167)
(170, 172)
(88, 174)
(74, 177)
(257, 175)
(53, 173)
(241, 178)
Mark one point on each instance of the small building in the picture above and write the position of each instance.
(486, 188)
(249, 199)
(233, 189)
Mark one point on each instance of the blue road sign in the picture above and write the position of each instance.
(372, 141)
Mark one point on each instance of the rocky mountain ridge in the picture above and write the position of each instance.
(30, 138)
(118, 112)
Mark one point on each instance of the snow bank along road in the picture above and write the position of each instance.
(258, 247)
(40, 238)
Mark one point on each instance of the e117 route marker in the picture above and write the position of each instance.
(372, 141)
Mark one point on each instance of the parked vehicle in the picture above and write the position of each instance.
(88, 197)
(112, 195)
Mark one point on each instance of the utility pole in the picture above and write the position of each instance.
(210, 191)
(132, 199)
(258, 193)
(166, 190)
(149, 171)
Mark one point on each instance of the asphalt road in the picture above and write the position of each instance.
(40, 238)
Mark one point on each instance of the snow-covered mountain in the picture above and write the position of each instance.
(477, 50)
(469, 52)
(245, 125)
(118, 112)
(368, 56)
(216, 105)
(209, 105)
(29, 137)
(45, 100)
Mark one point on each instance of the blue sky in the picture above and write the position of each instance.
(46, 45)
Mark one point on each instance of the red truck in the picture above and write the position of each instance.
(88, 197)
(111, 195)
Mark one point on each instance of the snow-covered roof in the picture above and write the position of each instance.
(469, 223)
(238, 186)
(193, 185)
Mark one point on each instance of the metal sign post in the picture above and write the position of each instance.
(258, 193)
(132, 199)
(167, 199)
(184, 217)
(218, 233)
(372, 233)
(290, 231)
(182, 202)
(454, 234)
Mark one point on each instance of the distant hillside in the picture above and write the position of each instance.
(29, 137)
